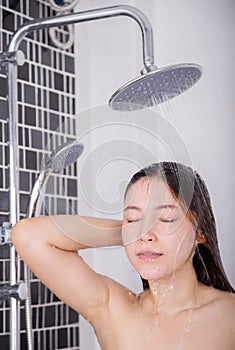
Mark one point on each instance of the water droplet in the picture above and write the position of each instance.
(155, 288)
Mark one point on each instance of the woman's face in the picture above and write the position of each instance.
(158, 236)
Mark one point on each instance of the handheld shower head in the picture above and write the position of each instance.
(155, 87)
(61, 158)
(64, 156)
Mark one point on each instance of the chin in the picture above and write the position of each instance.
(149, 274)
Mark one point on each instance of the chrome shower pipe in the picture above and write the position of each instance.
(95, 14)
(14, 199)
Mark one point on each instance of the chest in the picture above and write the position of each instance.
(187, 331)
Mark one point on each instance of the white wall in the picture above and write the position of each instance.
(109, 54)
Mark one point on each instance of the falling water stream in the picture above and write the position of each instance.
(169, 110)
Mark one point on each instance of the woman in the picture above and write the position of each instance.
(169, 234)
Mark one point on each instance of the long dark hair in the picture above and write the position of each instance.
(187, 185)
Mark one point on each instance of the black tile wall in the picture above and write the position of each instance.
(5, 342)
(4, 202)
(72, 188)
(2, 87)
(24, 72)
(30, 116)
(36, 139)
(3, 109)
(1, 178)
(24, 181)
(31, 160)
(29, 93)
(46, 102)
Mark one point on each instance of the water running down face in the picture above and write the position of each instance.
(158, 235)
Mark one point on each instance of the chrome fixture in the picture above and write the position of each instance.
(18, 291)
(12, 57)
(5, 233)
(155, 87)
(61, 158)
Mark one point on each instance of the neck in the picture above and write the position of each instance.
(176, 293)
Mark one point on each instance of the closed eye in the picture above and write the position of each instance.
(168, 220)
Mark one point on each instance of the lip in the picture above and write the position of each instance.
(147, 255)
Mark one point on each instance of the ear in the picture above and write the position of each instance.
(201, 238)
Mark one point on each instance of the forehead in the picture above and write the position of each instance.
(147, 190)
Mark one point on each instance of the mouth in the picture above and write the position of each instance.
(148, 255)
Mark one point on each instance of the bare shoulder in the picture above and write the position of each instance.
(223, 302)
(224, 298)
(227, 301)
(224, 313)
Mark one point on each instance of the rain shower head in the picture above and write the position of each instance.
(155, 87)
(64, 156)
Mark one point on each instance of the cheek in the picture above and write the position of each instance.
(183, 246)
(130, 233)
(129, 250)
(130, 253)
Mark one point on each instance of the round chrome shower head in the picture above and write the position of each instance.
(155, 87)
(64, 156)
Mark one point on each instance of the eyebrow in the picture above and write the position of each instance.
(132, 207)
(158, 207)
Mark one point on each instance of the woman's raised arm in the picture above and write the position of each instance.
(49, 246)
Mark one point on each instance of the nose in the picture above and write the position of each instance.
(148, 236)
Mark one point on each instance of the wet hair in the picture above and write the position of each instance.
(187, 186)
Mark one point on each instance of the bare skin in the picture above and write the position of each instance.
(176, 313)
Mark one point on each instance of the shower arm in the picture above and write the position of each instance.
(95, 14)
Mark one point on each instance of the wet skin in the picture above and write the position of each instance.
(157, 232)
(160, 238)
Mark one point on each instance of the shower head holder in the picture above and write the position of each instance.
(16, 57)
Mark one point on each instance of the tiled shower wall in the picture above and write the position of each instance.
(46, 103)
